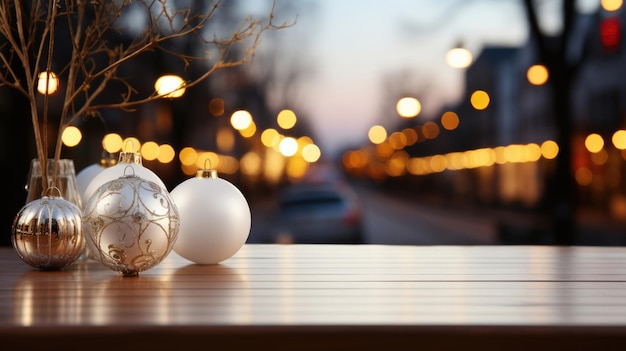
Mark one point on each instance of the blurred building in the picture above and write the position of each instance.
(520, 118)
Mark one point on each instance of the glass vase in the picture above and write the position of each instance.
(65, 181)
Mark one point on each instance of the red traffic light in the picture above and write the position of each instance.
(610, 34)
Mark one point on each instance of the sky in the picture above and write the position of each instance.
(359, 54)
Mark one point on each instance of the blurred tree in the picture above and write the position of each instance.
(279, 70)
(552, 51)
(86, 45)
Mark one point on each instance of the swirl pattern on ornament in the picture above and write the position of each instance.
(131, 224)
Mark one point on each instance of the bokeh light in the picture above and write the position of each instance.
(594, 142)
(149, 150)
(583, 176)
(296, 168)
(50, 79)
(225, 139)
(270, 137)
(251, 164)
(459, 57)
(248, 131)
(619, 139)
(480, 99)
(288, 146)
(216, 107)
(188, 156)
(430, 130)
(537, 74)
(408, 107)
(286, 119)
(241, 119)
(549, 149)
(449, 120)
(311, 153)
(397, 140)
(71, 136)
(112, 143)
(166, 153)
(377, 134)
(170, 86)
(611, 5)
(600, 158)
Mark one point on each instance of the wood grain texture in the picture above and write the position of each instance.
(300, 297)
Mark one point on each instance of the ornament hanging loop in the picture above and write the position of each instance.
(130, 157)
(207, 172)
(49, 190)
(132, 146)
(129, 174)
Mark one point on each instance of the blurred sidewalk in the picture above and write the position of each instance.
(594, 228)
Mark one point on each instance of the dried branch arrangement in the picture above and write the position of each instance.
(30, 31)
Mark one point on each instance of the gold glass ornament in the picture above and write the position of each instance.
(131, 224)
(61, 175)
(47, 232)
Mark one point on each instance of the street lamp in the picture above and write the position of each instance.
(459, 57)
(537, 74)
(170, 86)
(408, 107)
(47, 83)
(241, 119)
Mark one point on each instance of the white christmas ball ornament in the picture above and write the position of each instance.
(131, 224)
(126, 159)
(84, 177)
(214, 218)
(87, 174)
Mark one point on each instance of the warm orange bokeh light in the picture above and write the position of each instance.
(611, 5)
(619, 139)
(537, 74)
(286, 119)
(149, 150)
(216, 107)
(71, 136)
(377, 134)
(594, 142)
(112, 143)
(450, 120)
(480, 99)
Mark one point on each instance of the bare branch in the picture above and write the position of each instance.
(29, 30)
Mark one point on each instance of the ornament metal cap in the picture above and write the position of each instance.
(130, 157)
(107, 160)
(207, 172)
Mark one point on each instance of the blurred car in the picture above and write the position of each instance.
(318, 213)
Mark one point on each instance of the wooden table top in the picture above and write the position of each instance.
(326, 297)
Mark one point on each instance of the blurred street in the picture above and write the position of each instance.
(390, 219)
